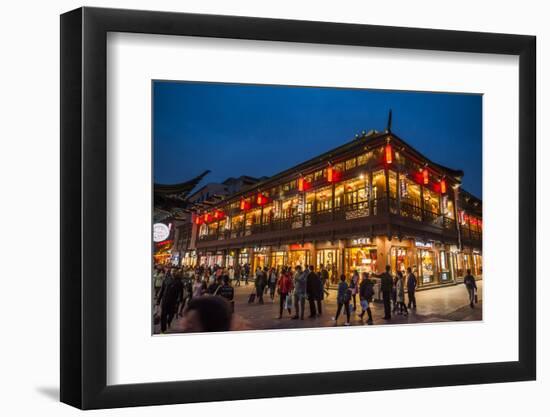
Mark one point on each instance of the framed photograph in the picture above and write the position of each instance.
(259, 208)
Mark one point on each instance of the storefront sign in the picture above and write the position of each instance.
(361, 241)
(420, 244)
(161, 232)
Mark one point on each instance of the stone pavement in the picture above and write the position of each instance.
(435, 305)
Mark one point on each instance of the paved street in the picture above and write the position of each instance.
(435, 305)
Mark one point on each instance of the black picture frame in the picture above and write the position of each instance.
(84, 207)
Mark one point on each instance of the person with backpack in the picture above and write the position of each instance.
(343, 298)
(366, 292)
(471, 286)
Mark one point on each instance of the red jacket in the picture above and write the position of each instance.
(285, 284)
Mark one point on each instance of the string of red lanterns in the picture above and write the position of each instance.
(333, 176)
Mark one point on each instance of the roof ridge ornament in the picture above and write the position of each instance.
(388, 125)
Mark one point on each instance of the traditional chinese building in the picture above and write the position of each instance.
(370, 202)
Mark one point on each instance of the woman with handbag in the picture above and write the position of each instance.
(284, 287)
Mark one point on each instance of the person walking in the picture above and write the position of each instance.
(272, 283)
(354, 287)
(400, 294)
(158, 277)
(343, 298)
(366, 292)
(300, 287)
(198, 287)
(324, 280)
(386, 285)
(471, 286)
(284, 287)
(260, 282)
(246, 271)
(169, 297)
(314, 290)
(237, 275)
(226, 291)
(411, 288)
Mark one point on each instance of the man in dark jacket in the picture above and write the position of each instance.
(260, 283)
(386, 285)
(314, 290)
(170, 294)
(471, 286)
(411, 288)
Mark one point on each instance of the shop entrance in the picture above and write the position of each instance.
(298, 257)
(362, 259)
(426, 266)
(259, 260)
(278, 259)
(330, 259)
(399, 259)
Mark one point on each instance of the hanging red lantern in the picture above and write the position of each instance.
(261, 199)
(198, 220)
(219, 214)
(333, 175)
(388, 154)
(303, 184)
(425, 176)
(207, 218)
(443, 185)
(245, 204)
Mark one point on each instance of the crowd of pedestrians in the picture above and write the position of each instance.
(178, 292)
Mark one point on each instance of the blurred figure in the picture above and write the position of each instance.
(471, 286)
(207, 314)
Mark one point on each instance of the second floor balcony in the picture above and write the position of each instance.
(379, 211)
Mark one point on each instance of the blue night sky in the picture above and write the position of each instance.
(239, 129)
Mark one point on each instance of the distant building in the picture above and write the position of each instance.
(205, 197)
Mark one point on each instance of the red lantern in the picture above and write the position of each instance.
(333, 175)
(218, 214)
(303, 184)
(388, 154)
(245, 205)
(198, 220)
(261, 199)
(207, 218)
(443, 185)
(425, 176)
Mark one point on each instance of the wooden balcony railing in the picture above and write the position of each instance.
(347, 212)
